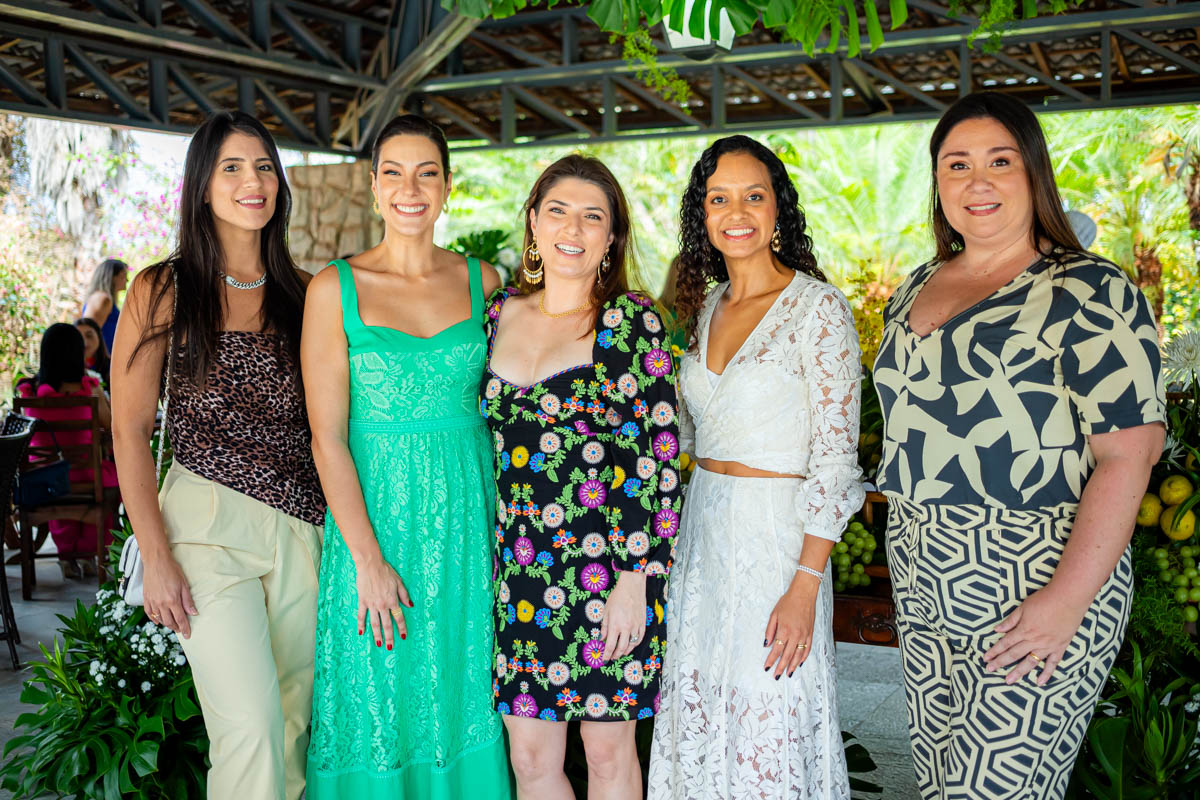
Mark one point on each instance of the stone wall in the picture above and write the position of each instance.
(331, 212)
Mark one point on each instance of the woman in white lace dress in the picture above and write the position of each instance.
(769, 405)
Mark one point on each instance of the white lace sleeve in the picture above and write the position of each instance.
(833, 491)
(687, 427)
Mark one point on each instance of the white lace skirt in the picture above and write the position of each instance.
(726, 729)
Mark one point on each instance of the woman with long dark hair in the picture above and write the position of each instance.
(61, 373)
(580, 397)
(769, 404)
(403, 700)
(1023, 410)
(108, 281)
(95, 351)
(231, 544)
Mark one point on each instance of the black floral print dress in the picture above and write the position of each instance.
(587, 485)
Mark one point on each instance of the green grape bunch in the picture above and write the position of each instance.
(851, 556)
(1177, 569)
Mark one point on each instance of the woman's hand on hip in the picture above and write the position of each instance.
(166, 595)
(790, 627)
(1036, 635)
(381, 593)
(624, 622)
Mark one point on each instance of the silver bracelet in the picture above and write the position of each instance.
(815, 573)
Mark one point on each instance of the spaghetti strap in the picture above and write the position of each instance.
(350, 316)
(475, 276)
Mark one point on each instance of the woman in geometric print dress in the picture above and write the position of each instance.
(1023, 410)
(580, 397)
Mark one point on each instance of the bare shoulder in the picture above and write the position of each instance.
(491, 278)
(323, 287)
(144, 288)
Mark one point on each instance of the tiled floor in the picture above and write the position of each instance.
(870, 698)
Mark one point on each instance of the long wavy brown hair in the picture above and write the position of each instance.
(700, 262)
(614, 281)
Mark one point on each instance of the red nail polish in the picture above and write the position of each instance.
(390, 647)
(402, 636)
(378, 643)
(360, 631)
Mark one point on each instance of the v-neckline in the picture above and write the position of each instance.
(708, 331)
(997, 292)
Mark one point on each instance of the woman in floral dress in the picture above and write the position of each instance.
(580, 397)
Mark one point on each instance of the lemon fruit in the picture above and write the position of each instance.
(1190, 462)
(684, 460)
(1181, 530)
(1149, 510)
(524, 611)
(1175, 489)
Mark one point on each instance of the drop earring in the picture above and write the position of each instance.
(532, 273)
(776, 241)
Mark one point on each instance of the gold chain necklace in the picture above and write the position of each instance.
(542, 308)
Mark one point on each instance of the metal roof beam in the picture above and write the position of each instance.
(283, 111)
(932, 102)
(540, 106)
(1049, 80)
(1154, 47)
(639, 91)
(216, 23)
(452, 110)
(309, 41)
(763, 88)
(99, 76)
(113, 8)
(21, 88)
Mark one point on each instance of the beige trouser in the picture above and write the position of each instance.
(253, 576)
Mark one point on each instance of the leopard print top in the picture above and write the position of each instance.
(248, 428)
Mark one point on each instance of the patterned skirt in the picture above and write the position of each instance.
(725, 727)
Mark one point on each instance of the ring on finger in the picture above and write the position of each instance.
(1038, 659)
(801, 646)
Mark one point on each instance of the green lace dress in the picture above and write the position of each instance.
(415, 722)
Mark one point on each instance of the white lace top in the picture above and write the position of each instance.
(788, 401)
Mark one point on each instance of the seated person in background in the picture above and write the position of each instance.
(95, 351)
(61, 373)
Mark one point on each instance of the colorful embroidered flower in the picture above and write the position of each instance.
(501, 665)
(505, 460)
(646, 468)
(653, 663)
(503, 709)
(657, 362)
(655, 568)
(524, 706)
(604, 339)
(563, 538)
(524, 611)
(545, 559)
(665, 446)
(520, 456)
(493, 388)
(594, 577)
(640, 300)
(596, 705)
(558, 673)
(663, 413)
(548, 715)
(505, 593)
(582, 427)
(657, 700)
(544, 417)
(549, 443)
(592, 494)
(523, 550)
(515, 666)
(612, 417)
(633, 673)
(512, 613)
(628, 385)
(593, 653)
(592, 452)
(554, 597)
(594, 611)
(483, 409)
(537, 462)
(612, 317)
(553, 515)
(630, 429)
(668, 480)
(651, 322)
(638, 544)
(649, 616)
(499, 437)
(640, 409)
(534, 667)
(626, 697)
(594, 545)
(550, 404)
(595, 407)
(632, 487)
(508, 554)
(666, 523)
(567, 696)
(573, 404)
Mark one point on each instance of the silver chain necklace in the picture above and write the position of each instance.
(235, 283)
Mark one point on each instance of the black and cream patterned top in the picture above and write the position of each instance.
(995, 406)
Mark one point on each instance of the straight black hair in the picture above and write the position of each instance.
(61, 359)
(1050, 222)
(411, 125)
(198, 259)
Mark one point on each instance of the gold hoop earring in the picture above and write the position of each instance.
(533, 274)
(602, 267)
(375, 204)
(776, 241)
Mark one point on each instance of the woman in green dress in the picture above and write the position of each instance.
(393, 350)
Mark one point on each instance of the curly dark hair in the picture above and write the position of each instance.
(700, 262)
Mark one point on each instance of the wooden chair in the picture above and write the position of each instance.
(88, 501)
(14, 439)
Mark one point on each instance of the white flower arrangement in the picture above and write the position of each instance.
(1181, 361)
(154, 650)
